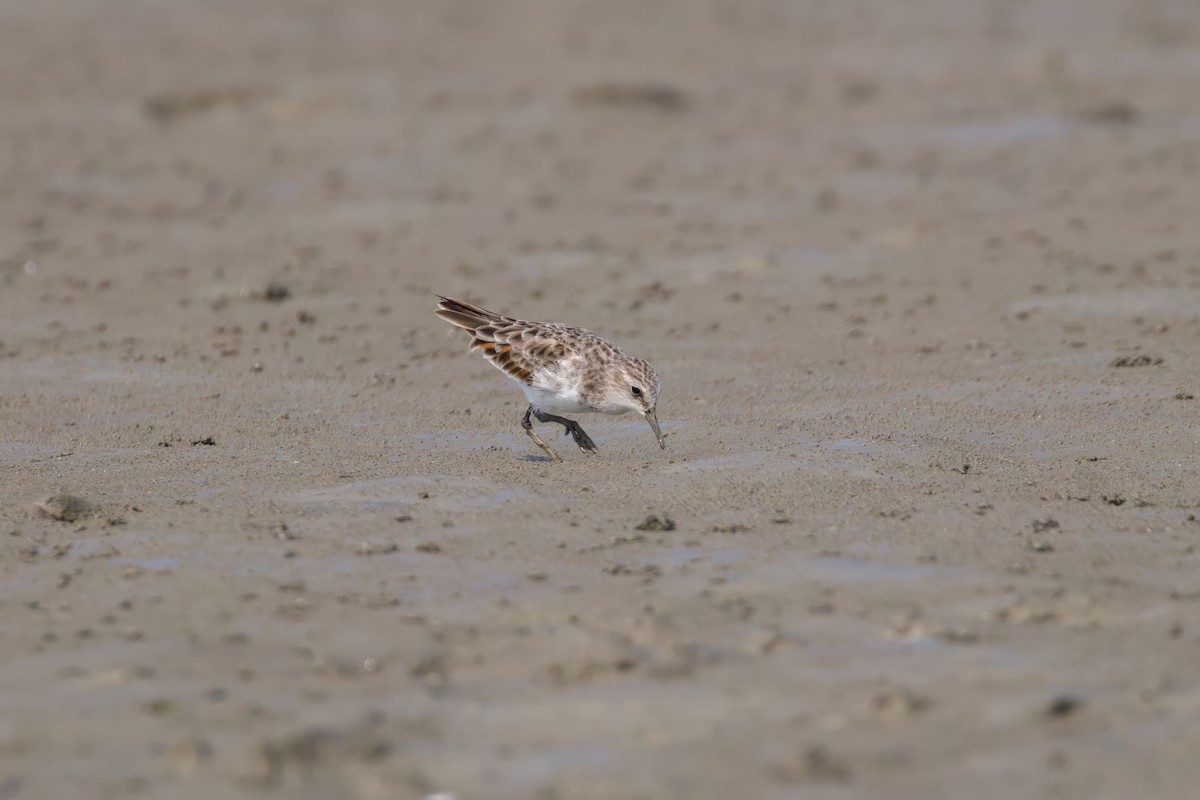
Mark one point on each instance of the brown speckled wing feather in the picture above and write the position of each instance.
(519, 349)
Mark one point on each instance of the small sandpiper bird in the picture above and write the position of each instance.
(562, 369)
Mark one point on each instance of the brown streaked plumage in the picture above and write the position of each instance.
(560, 368)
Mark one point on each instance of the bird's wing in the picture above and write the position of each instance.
(468, 316)
(520, 349)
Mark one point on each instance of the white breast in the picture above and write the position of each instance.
(556, 391)
(564, 401)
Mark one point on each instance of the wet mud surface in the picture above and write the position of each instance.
(922, 282)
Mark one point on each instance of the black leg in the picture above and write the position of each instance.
(582, 439)
(527, 424)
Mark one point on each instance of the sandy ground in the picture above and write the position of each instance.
(921, 281)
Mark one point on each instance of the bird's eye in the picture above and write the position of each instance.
(636, 391)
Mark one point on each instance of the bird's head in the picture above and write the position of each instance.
(636, 388)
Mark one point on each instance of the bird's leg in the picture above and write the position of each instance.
(527, 424)
(582, 439)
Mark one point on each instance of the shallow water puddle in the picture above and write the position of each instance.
(729, 461)
(1124, 303)
(403, 492)
(13, 453)
(853, 457)
(1015, 130)
(674, 556)
(853, 446)
(151, 564)
(1005, 395)
(842, 569)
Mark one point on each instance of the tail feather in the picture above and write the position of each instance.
(464, 315)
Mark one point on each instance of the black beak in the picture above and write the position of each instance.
(652, 418)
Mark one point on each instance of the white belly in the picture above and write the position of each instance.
(563, 401)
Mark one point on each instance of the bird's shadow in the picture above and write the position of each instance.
(545, 459)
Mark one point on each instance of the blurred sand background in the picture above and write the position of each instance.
(921, 281)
